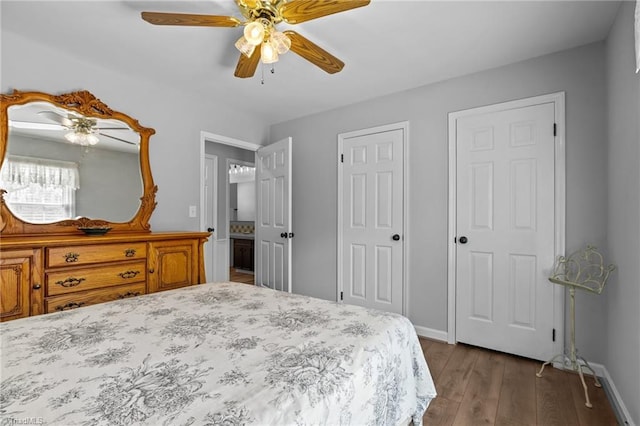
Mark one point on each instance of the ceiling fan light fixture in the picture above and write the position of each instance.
(254, 32)
(81, 138)
(281, 42)
(268, 53)
(245, 47)
(260, 20)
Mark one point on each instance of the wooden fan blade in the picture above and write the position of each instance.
(314, 53)
(54, 116)
(160, 18)
(247, 66)
(297, 11)
(35, 126)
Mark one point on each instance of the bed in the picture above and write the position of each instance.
(217, 353)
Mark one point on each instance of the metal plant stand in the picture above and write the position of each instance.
(582, 270)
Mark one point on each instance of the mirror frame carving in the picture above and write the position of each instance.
(88, 105)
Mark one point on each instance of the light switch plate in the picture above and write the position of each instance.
(192, 211)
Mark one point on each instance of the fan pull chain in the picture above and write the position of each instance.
(273, 71)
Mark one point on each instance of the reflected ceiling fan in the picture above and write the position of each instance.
(82, 130)
(261, 18)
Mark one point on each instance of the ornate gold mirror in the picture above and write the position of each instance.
(69, 163)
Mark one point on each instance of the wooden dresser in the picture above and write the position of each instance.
(55, 262)
(48, 274)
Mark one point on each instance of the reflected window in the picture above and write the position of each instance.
(40, 190)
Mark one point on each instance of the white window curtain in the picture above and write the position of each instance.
(40, 190)
(18, 172)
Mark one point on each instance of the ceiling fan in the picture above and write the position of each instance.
(82, 130)
(261, 18)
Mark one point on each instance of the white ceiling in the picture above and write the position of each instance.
(388, 46)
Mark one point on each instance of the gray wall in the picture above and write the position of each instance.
(108, 178)
(110, 181)
(178, 117)
(579, 72)
(225, 152)
(246, 201)
(622, 295)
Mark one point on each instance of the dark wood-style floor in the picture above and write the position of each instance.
(240, 277)
(481, 387)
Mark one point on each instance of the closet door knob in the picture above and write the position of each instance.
(463, 240)
(395, 237)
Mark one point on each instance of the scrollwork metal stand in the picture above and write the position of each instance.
(583, 270)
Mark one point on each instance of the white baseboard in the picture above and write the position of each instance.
(602, 371)
(430, 333)
(599, 369)
(621, 409)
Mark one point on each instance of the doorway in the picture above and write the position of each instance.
(273, 231)
(241, 196)
(218, 247)
(506, 225)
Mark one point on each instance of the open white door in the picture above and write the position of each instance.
(273, 216)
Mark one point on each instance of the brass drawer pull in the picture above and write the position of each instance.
(71, 257)
(130, 252)
(71, 282)
(70, 305)
(128, 274)
(129, 294)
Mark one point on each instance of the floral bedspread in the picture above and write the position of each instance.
(218, 353)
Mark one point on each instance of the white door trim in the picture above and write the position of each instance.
(212, 137)
(213, 214)
(558, 99)
(404, 126)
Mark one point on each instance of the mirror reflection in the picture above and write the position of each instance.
(62, 165)
(242, 192)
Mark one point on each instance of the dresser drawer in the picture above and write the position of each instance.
(84, 255)
(80, 279)
(91, 297)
